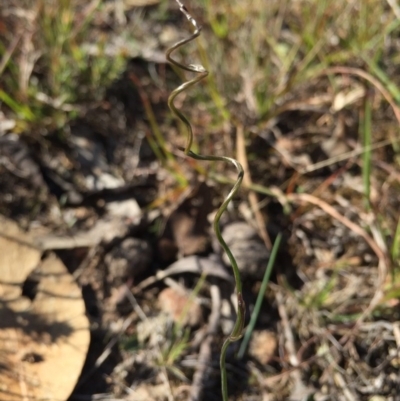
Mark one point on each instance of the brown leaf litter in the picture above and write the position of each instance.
(44, 334)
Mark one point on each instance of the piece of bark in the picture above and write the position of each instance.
(104, 231)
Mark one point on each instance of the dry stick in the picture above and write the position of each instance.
(191, 264)
(344, 156)
(393, 174)
(205, 354)
(253, 200)
(340, 382)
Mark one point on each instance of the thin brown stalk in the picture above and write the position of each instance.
(205, 354)
(252, 196)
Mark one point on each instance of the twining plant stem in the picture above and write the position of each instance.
(237, 331)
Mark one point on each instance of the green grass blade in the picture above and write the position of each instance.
(260, 297)
(23, 111)
(395, 251)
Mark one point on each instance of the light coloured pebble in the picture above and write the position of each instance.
(247, 247)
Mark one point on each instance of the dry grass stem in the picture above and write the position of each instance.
(253, 199)
(205, 353)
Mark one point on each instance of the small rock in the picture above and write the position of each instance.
(128, 208)
(128, 259)
(6, 124)
(103, 181)
(180, 307)
(249, 250)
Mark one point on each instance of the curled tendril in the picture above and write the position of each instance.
(236, 333)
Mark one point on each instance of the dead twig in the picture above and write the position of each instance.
(253, 200)
(205, 353)
(345, 156)
(340, 382)
(190, 264)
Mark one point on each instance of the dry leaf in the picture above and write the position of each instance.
(347, 98)
(43, 341)
(263, 346)
(17, 259)
(180, 307)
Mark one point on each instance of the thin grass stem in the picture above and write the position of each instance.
(260, 297)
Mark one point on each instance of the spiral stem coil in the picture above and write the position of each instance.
(202, 73)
